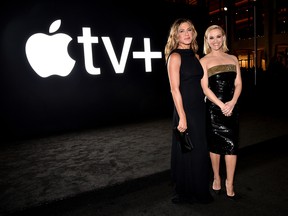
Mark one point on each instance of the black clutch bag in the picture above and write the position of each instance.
(184, 140)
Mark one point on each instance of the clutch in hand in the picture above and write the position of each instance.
(184, 140)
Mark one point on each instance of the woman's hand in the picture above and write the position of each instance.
(182, 126)
(227, 109)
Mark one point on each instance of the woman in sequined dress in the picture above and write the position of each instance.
(222, 85)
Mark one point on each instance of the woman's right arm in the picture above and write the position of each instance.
(173, 68)
(205, 86)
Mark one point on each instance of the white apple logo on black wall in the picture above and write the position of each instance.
(48, 54)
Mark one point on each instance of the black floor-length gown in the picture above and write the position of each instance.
(223, 131)
(190, 171)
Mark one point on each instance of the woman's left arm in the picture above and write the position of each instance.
(238, 86)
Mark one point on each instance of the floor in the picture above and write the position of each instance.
(124, 170)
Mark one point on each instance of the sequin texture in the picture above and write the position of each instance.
(222, 131)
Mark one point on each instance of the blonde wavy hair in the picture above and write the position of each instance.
(172, 41)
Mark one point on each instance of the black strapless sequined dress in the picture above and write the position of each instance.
(223, 131)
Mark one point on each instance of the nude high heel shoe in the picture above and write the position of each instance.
(233, 197)
(216, 191)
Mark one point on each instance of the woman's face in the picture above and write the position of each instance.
(185, 35)
(215, 39)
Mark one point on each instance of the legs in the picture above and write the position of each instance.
(230, 161)
(215, 160)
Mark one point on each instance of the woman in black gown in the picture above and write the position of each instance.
(222, 84)
(190, 171)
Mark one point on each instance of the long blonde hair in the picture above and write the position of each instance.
(172, 41)
(207, 48)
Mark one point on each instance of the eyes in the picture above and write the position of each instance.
(181, 31)
(215, 37)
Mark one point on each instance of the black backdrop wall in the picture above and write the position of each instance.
(127, 88)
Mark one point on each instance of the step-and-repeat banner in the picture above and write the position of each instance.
(68, 65)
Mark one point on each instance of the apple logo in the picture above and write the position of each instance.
(48, 54)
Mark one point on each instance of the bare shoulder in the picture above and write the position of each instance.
(203, 62)
(204, 59)
(174, 57)
(233, 57)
